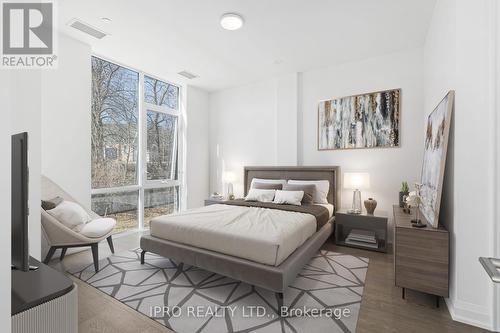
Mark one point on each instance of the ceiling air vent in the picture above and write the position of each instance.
(87, 28)
(188, 75)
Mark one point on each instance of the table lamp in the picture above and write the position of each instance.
(229, 178)
(356, 181)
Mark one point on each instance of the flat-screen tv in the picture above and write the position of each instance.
(19, 202)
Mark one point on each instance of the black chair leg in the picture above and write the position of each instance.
(143, 253)
(110, 243)
(49, 254)
(95, 255)
(63, 253)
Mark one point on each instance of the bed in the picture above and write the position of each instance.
(271, 261)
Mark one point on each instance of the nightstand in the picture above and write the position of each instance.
(213, 201)
(345, 222)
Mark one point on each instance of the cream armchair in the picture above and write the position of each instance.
(61, 237)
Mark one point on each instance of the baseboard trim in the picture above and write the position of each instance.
(470, 314)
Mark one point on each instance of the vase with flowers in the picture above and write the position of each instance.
(414, 200)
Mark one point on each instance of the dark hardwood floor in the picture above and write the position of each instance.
(382, 308)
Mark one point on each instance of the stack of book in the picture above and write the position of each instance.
(365, 238)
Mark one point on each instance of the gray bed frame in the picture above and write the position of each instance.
(274, 278)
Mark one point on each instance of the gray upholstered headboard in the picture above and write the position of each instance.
(330, 173)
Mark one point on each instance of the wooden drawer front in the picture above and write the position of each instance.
(424, 245)
(421, 260)
(421, 275)
(362, 219)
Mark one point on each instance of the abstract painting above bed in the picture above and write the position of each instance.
(360, 121)
(436, 142)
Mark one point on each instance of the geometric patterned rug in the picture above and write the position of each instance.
(325, 297)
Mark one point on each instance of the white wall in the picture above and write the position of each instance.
(474, 290)
(250, 124)
(197, 155)
(459, 54)
(440, 55)
(242, 131)
(66, 119)
(5, 203)
(496, 233)
(287, 106)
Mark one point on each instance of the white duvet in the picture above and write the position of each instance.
(267, 236)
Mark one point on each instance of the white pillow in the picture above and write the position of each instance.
(267, 181)
(98, 227)
(288, 197)
(322, 188)
(260, 195)
(71, 214)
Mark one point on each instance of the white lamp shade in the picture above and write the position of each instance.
(356, 180)
(229, 177)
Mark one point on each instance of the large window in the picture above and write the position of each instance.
(135, 145)
(115, 93)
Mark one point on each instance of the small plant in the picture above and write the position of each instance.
(403, 192)
(404, 187)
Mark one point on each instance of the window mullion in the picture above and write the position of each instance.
(175, 152)
(161, 108)
(142, 152)
(162, 184)
(106, 190)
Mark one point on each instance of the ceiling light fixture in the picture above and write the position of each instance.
(106, 19)
(231, 21)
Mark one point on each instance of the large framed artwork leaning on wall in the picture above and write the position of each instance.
(433, 166)
(360, 121)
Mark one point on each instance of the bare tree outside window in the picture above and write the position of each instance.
(114, 124)
(117, 157)
(161, 93)
(161, 146)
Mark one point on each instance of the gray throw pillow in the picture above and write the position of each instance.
(309, 190)
(52, 203)
(267, 186)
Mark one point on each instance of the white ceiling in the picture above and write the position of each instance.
(163, 37)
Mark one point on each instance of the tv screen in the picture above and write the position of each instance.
(19, 201)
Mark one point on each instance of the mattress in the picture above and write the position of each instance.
(263, 235)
